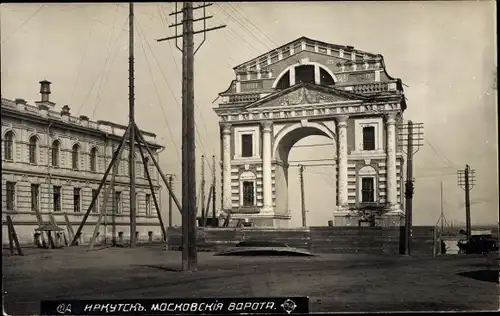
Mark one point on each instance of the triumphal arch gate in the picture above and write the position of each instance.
(304, 88)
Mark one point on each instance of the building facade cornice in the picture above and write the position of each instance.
(9, 110)
(315, 111)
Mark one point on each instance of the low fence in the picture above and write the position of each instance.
(368, 240)
(216, 239)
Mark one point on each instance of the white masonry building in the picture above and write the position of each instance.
(304, 88)
(53, 162)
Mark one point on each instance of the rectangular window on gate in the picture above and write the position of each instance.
(367, 190)
(76, 200)
(247, 145)
(95, 207)
(369, 138)
(56, 199)
(35, 197)
(248, 193)
(11, 195)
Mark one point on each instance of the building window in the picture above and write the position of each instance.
(247, 145)
(11, 195)
(248, 193)
(74, 156)
(304, 73)
(284, 81)
(57, 199)
(325, 78)
(35, 197)
(33, 144)
(367, 190)
(56, 146)
(148, 204)
(9, 145)
(76, 200)
(95, 208)
(93, 159)
(369, 138)
(118, 202)
(146, 166)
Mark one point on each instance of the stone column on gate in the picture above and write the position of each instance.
(266, 166)
(392, 193)
(342, 203)
(226, 166)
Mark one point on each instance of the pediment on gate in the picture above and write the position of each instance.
(304, 94)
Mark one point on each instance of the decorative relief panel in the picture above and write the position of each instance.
(305, 96)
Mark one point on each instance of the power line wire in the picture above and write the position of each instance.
(440, 155)
(253, 24)
(108, 74)
(156, 90)
(24, 23)
(248, 31)
(82, 60)
(109, 46)
(101, 72)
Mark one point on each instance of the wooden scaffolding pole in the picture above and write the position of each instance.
(114, 160)
(146, 169)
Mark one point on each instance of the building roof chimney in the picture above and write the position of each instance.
(45, 91)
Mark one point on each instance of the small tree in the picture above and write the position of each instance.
(368, 213)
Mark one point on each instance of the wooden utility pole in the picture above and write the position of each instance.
(189, 254)
(467, 202)
(412, 137)
(202, 202)
(213, 191)
(302, 196)
(442, 209)
(409, 190)
(131, 156)
(170, 181)
(466, 179)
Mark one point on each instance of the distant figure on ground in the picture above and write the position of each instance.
(443, 247)
(461, 247)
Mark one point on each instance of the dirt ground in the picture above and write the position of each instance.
(333, 282)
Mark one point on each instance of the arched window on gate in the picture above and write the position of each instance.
(248, 189)
(367, 183)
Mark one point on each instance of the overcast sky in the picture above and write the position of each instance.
(443, 51)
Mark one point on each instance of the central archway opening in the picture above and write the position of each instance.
(314, 148)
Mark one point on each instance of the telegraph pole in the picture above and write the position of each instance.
(412, 137)
(442, 209)
(302, 195)
(203, 215)
(131, 160)
(170, 182)
(213, 191)
(466, 180)
(189, 254)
